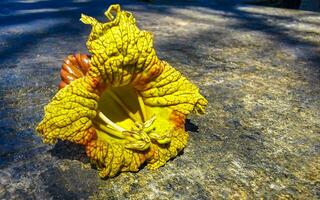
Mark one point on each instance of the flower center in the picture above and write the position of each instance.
(122, 118)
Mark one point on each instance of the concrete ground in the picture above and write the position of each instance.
(259, 68)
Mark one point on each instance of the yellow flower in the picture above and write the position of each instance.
(122, 103)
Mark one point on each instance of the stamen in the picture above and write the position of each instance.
(109, 122)
(109, 130)
(142, 108)
(123, 106)
(149, 122)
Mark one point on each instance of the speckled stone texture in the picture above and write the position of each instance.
(257, 66)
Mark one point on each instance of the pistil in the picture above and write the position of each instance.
(123, 106)
(109, 122)
(109, 130)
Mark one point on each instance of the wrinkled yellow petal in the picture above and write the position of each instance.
(175, 91)
(120, 51)
(69, 115)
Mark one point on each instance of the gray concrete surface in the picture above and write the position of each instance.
(257, 66)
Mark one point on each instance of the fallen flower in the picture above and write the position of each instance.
(122, 103)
